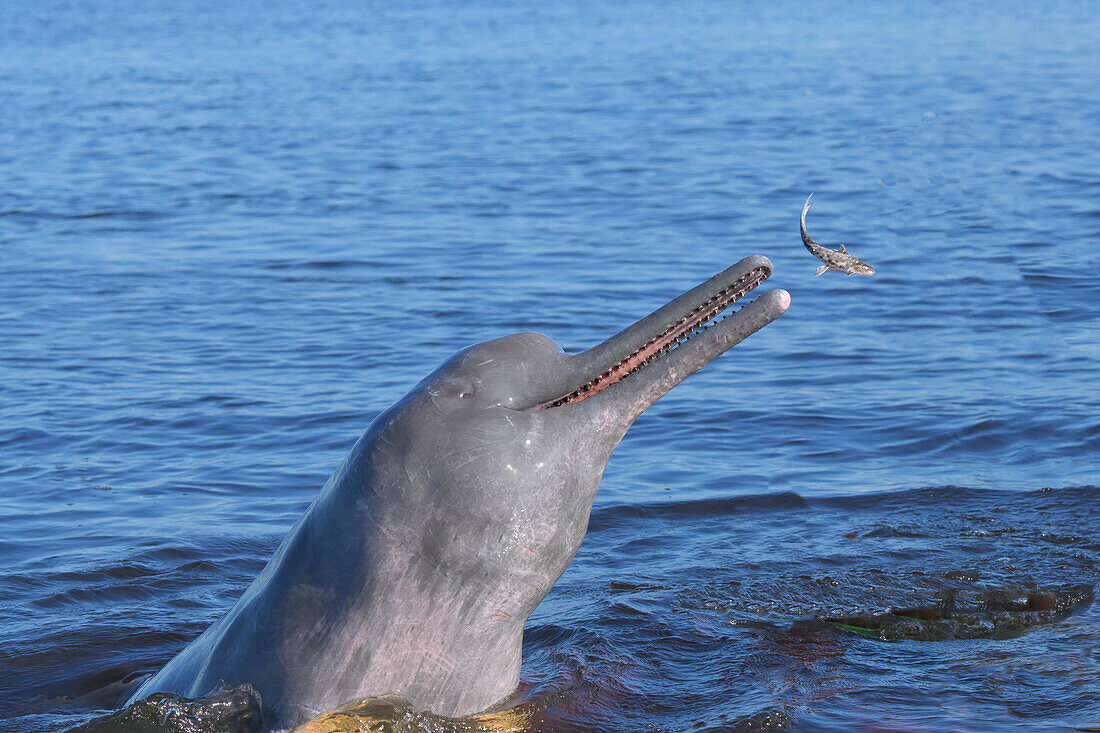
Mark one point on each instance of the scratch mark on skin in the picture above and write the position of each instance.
(447, 665)
(449, 456)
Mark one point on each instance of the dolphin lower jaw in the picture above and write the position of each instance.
(625, 362)
(633, 397)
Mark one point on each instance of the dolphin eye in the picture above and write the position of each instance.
(465, 395)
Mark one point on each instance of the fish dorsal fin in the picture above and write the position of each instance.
(843, 249)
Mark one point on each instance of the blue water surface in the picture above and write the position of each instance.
(232, 233)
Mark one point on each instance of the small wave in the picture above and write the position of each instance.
(129, 215)
(318, 264)
(616, 514)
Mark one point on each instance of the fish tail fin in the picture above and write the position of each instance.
(807, 240)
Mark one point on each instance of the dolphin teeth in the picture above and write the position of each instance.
(702, 317)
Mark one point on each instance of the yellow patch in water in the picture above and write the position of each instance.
(393, 715)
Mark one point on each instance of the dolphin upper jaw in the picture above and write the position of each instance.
(611, 395)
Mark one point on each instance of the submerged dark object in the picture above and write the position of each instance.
(992, 615)
(414, 570)
(228, 710)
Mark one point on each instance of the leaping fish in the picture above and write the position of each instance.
(834, 259)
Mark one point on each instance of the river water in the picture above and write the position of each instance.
(232, 233)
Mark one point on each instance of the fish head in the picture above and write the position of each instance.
(862, 268)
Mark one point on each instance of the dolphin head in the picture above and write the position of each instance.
(496, 456)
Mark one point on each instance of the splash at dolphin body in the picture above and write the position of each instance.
(834, 259)
(414, 570)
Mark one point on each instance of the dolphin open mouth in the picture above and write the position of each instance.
(666, 330)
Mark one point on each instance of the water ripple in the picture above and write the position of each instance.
(219, 266)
